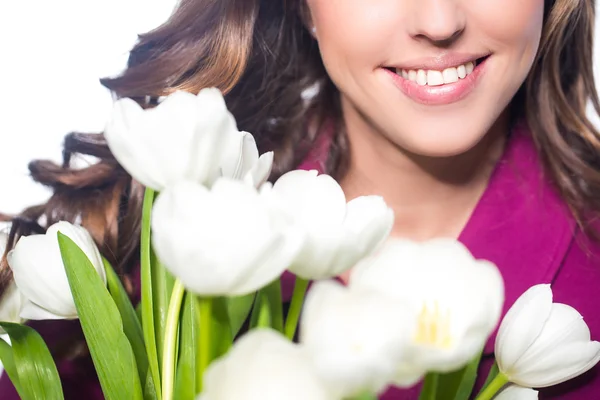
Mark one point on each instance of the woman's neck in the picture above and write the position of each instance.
(431, 197)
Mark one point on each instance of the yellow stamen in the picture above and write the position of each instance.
(433, 327)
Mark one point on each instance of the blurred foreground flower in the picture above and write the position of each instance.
(40, 275)
(228, 240)
(541, 343)
(355, 337)
(263, 365)
(454, 301)
(338, 234)
(186, 137)
(515, 392)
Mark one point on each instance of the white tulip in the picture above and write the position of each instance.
(339, 234)
(541, 343)
(40, 275)
(355, 337)
(12, 299)
(263, 365)
(241, 161)
(228, 240)
(515, 392)
(454, 301)
(185, 137)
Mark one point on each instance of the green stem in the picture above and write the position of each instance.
(206, 305)
(168, 370)
(291, 323)
(430, 386)
(494, 387)
(146, 280)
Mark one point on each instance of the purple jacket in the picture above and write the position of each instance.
(520, 224)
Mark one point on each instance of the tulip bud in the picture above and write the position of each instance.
(40, 275)
(338, 234)
(541, 343)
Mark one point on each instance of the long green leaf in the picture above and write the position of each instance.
(185, 385)
(458, 385)
(31, 362)
(8, 361)
(222, 339)
(429, 390)
(239, 308)
(162, 287)
(148, 323)
(131, 323)
(102, 326)
(272, 293)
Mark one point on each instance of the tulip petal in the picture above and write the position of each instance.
(11, 304)
(263, 365)
(129, 150)
(212, 239)
(516, 392)
(39, 274)
(352, 357)
(522, 324)
(270, 264)
(561, 365)
(34, 312)
(408, 375)
(317, 201)
(564, 325)
(371, 219)
(260, 173)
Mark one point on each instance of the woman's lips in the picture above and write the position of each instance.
(442, 94)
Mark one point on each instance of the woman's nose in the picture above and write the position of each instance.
(440, 22)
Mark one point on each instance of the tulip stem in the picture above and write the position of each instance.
(291, 323)
(206, 305)
(168, 369)
(494, 387)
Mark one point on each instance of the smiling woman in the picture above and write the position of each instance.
(468, 117)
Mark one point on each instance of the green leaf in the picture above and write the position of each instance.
(429, 390)
(185, 385)
(8, 361)
(458, 385)
(162, 287)
(222, 339)
(102, 325)
(239, 308)
(272, 293)
(149, 389)
(147, 303)
(31, 360)
(131, 323)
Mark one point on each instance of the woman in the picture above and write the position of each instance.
(467, 116)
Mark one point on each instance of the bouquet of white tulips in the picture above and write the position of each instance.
(216, 238)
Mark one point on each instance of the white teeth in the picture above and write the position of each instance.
(421, 77)
(437, 78)
(412, 75)
(450, 75)
(470, 67)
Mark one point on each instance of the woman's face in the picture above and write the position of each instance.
(431, 75)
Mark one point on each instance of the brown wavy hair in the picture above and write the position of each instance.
(261, 54)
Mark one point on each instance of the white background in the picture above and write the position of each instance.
(52, 54)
